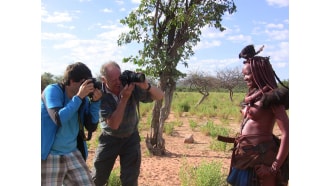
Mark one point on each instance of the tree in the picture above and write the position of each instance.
(168, 30)
(48, 78)
(229, 79)
(203, 83)
(285, 82)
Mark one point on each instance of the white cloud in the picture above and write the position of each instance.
(91, 52)
(212, 33)
(278, 53)
(240, 38)
(56, 17)
(278, 34)
(279, 3)
(235, 29)
(228, 16)
(56, 36)
(257, 30)
(69, 44)
(207, 44)
(106, 10)
(114, 32)
(66, 27)
(286, 21)
(272, 25)
(281, 65)
(136, 1)
(119, 2)
(272, 30)
(47, 64)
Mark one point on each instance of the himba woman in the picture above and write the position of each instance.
(260, 158)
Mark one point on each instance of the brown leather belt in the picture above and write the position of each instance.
(226, 139)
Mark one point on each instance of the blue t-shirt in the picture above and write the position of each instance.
(62, 140)
(66, 135)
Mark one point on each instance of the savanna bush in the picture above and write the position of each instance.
(207, 173)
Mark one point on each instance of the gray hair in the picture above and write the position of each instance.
(103, 71)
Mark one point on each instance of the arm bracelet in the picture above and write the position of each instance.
(274, 168)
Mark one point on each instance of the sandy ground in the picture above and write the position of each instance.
(164, 170)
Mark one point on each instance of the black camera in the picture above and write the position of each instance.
(97, 84)
(128, 77)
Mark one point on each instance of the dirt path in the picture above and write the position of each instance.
(164, 171)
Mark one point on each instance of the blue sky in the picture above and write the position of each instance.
(87, 31)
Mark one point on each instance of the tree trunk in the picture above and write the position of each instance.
(156, 143)
(203, 98)
(231, 93)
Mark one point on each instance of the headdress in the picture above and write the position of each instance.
(264, 78)
(249, 52)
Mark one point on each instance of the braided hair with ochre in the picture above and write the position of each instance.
(265, 78)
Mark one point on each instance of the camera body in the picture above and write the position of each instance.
(128, 77)
(97, 84)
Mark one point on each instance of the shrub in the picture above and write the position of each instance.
(207, 173)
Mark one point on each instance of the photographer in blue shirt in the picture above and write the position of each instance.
(63, 106)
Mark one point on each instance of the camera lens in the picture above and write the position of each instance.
(129, 76)
(139, 77)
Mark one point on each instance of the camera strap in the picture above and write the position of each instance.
(53, 113)
(81, 129)
(137, 106)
